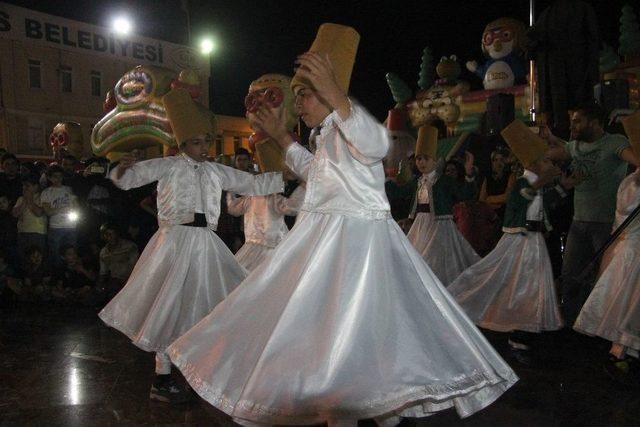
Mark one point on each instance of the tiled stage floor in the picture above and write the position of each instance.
(60, 366)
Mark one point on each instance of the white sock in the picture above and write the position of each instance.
(163, 364)
(248, 423)
(390, 421)
(342, 423)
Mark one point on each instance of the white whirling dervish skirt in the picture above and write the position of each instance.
(182, 274)
(419, 228)
(512, 287)
(251, 255)
(445, 249)
(612, 310)
(345, 320)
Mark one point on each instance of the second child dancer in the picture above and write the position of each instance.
(264, 225)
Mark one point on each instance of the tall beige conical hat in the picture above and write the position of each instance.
(427, 141)
(187, 121)
(525, 145)
(341, 44)
(269, 156)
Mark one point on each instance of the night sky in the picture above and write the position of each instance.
(261, 36)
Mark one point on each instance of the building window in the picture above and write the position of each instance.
(96, 83)
(219, 145)
(237, 143)
(35, 80)
(36, 140)
(65, 78)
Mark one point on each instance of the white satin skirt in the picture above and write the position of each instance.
(345, 321)
(511, 288)
(252, 254)
(445, 249)
(419, 228)
(612, 310)
(182, 274)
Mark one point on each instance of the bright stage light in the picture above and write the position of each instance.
(207, 46)
(122, 25)
(73, 216)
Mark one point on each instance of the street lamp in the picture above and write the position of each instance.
(207, 46)
(122, 25)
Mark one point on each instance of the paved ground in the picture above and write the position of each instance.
(62, 366)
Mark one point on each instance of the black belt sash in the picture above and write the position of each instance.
(536, 226)
(423, 207)
(199, 220)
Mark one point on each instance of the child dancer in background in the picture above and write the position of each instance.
(512, 288)
(434, 233)
(264, 225)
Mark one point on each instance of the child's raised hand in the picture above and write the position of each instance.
(126, 161)
(318, 70)
(271, 121)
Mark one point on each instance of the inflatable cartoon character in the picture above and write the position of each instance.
(273, 91)
(502, 42)
(137, 119)
(439, 101)
(66, 138)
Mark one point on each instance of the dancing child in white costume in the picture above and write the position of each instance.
(185, 270)
(345, 321)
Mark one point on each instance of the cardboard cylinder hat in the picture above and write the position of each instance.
(525, 145)
(632, 129)
(341, 44)
(187, 120)
(427, 141)
(273, 91)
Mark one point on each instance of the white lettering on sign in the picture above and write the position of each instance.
(17, 23)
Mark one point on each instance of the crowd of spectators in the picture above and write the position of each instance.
(68, 235)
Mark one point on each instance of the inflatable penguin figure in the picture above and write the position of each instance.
(502, 42)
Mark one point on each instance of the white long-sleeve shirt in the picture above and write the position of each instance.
(264, 215)
(186, 186)
(345, 176)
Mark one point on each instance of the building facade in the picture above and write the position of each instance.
(54, 69)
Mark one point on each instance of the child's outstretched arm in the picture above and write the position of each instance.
(247, 184)
(131, 174)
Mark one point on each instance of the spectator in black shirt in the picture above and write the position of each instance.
(74, 283)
